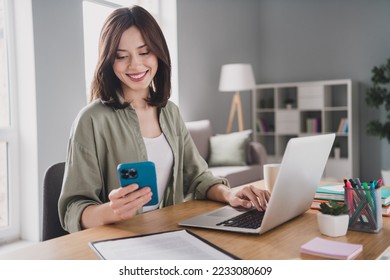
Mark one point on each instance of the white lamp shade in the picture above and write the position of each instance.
(236, 77)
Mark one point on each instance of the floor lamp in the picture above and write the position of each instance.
(236, 77)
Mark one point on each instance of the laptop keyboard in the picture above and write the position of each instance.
(251, 219)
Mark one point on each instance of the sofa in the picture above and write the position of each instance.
(233, 156)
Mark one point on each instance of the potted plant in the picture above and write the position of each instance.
(377, 95)
(333, 219)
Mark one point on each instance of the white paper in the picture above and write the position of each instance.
(385, 254)
(175, 245)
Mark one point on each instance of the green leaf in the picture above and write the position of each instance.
(377, 95)
(333, 208)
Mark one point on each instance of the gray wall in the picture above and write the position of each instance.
(60, 83)
(285, 41)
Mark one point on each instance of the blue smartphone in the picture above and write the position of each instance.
(142, 173)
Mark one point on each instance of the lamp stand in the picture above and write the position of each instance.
(236, 106)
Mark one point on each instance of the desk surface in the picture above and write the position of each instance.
(280, 243)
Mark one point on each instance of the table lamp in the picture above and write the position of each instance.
(236, 77)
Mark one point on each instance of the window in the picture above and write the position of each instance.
(8, 142)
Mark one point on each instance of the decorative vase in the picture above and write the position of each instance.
(336, 152)
(333, 226)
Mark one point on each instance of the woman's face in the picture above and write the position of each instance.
(135, 65)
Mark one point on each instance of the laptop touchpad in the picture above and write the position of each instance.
(227, 212)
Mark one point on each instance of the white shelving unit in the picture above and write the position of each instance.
(286, 110)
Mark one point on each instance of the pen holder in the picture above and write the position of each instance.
(365, 209)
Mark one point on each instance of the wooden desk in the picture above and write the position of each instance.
(280, 243)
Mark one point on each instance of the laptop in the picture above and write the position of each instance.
(299, 175)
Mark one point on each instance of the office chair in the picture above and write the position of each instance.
(52, 184)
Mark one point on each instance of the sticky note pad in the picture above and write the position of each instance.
(331, 249)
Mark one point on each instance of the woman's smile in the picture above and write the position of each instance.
(137, 77)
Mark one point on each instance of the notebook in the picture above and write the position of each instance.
(299, 175)
(331, 249)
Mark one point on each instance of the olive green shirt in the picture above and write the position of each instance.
(103, 137)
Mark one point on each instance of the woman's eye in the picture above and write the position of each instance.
(120, 57)
(145, 53)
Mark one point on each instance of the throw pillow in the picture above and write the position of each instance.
(229, 149)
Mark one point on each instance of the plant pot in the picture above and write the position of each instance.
(333, 226)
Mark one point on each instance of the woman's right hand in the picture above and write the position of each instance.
(125, 201)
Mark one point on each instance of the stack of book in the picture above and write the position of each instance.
(343, 126)
(312, 125)
(335, 192)
(261, 126)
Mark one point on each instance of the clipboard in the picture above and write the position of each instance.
(169, 245)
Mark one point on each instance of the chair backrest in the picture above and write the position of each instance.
(52, 184)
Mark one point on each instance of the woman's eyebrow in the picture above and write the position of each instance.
(140, 47)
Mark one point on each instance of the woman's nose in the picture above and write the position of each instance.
(133, 62)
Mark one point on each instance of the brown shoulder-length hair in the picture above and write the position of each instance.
(105, 84)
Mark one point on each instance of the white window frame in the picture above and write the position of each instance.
(10, 134)
(23, 155)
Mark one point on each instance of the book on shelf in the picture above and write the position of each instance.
(261, 125)
(312, 125)
(331, 249)
(343, 126)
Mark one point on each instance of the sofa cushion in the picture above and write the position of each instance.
(201, 131)
(229, 149)
(239, 175)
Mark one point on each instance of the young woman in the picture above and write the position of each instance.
(130, 119)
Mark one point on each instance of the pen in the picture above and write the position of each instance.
(379, 184)
(355, 215)
(373, 184)
(360, 196)
(349, 196)
(363, 209)
(360, 193)
(368, 195)
(358, 183)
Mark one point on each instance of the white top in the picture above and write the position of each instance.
(160, 153)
